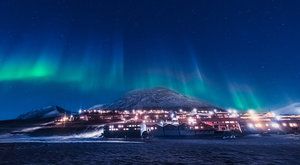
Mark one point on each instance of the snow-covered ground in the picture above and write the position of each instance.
(255, 149)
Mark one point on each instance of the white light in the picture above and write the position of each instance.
(194, 110)
(253, 115)
(278, 117)
(293, 124)
(258, 125)
(250, 125)
(162, 123)
(273, 114)
(275, 125)
(64, 119)
(251, 111)
(172, 115)
(191, 121)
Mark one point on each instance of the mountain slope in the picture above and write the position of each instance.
(289, 109)
(47, 112)
(156, 98)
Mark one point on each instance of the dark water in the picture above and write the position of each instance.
(279, 149)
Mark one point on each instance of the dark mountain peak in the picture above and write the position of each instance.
(43, 113)
(156, 98)
(157, 90)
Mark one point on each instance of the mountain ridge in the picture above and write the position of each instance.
(156, 98)
(43, 113)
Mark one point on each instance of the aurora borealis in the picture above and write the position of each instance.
(81, 53)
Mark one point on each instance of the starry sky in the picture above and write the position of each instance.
(78, 53)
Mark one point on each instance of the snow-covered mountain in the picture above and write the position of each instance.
(156, 98)
(47, 112)
(290, 109)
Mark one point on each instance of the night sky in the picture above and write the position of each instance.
(78, 53)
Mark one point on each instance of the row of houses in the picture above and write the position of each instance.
(195, 123)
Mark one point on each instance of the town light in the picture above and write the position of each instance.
(275, 125)
(161, 123)
(251, 111)
(250, 125)
(253, 115)
(191, 121)
(258, 125)
(272, 114)
(232, 111)
(293, 124)
(277, 117)
(64, 119)
(194, 111)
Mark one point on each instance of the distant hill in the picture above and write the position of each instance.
(44, 113)
(289, 109)
(156, 98)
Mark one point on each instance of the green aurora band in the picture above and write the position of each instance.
(88, 75)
